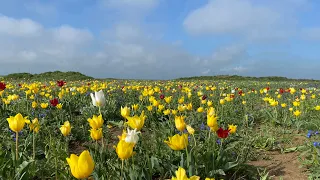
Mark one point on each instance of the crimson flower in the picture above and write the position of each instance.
(2, 86)
(161, 96)
(204, 97)
(54, 102)
(61, 83)
(223, 133)
(240, 92)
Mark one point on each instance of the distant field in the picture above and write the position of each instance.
(221, 127)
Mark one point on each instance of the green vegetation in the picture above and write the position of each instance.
(47, 76)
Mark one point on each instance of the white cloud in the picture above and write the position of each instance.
(68, 34)
(19, 27)
(245, 18)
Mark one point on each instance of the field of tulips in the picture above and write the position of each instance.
(126, 129)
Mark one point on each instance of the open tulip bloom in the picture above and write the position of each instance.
(98, 99)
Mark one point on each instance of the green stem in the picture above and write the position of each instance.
(122, 169)
(17, 136)
(33, 146)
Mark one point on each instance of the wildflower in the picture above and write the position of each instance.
(17, 122)
(179, 122)
(136, 122)
(178, 142)
(65, 128)
(98, 99)
(54, 102)
(44, 105)
(96, 122)
(232, 128)
(124, 150)
(96, 134)
(81, 167)
(132, 136)
(190, 130)
(297, 113)
(34, 125)
(222, 133)
(125, 111)
(181, 175)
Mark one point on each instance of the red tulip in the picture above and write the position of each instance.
(223, 133)
(54, 102)
(2, 86)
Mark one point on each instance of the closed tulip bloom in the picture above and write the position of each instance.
(96, 122)
(124, 150)
(178, 142)
(179, 122)
(17, 122)
(96, 134)
(190, 129)
(65, 128)
(34, 125)
(98, 99)
(125, 112)
(136, 122)
(82, 166)
(181, 175)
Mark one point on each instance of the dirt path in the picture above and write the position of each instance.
(285, 166)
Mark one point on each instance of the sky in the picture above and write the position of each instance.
(161, 39)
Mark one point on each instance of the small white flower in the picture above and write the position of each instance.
(132, 136)
(98, 99)
(233, 91)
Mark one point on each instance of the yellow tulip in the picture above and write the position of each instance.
(181, 175)
(190, 130)
(232, 128)
(179, 122)
(34, 104)
(44, 105)
(96, 134)
(178, 142)
(82, 166)
(125, 111)
(124, 150)
(96, 122)
(212, 120)
(297, 113)
(136, 122)
(34, 125)
(65, 128)
(17, 122)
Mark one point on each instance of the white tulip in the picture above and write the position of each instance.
(98, 99)
(132, 136)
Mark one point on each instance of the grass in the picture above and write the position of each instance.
(266, 130)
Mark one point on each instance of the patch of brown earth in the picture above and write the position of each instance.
(285, 166)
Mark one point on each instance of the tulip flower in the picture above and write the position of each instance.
(181, 175)
(136, 122)
(222, 133)
(232, 128)
(98, 99)
(65, 128)
(82, 166)
(2, 86)
(178, 142)
(179, 122)
(124, 150)
(96, 134)
(132, 136)
(96, 122)
(125, 112)
(17, 122)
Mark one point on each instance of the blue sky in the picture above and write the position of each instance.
(161, 39)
